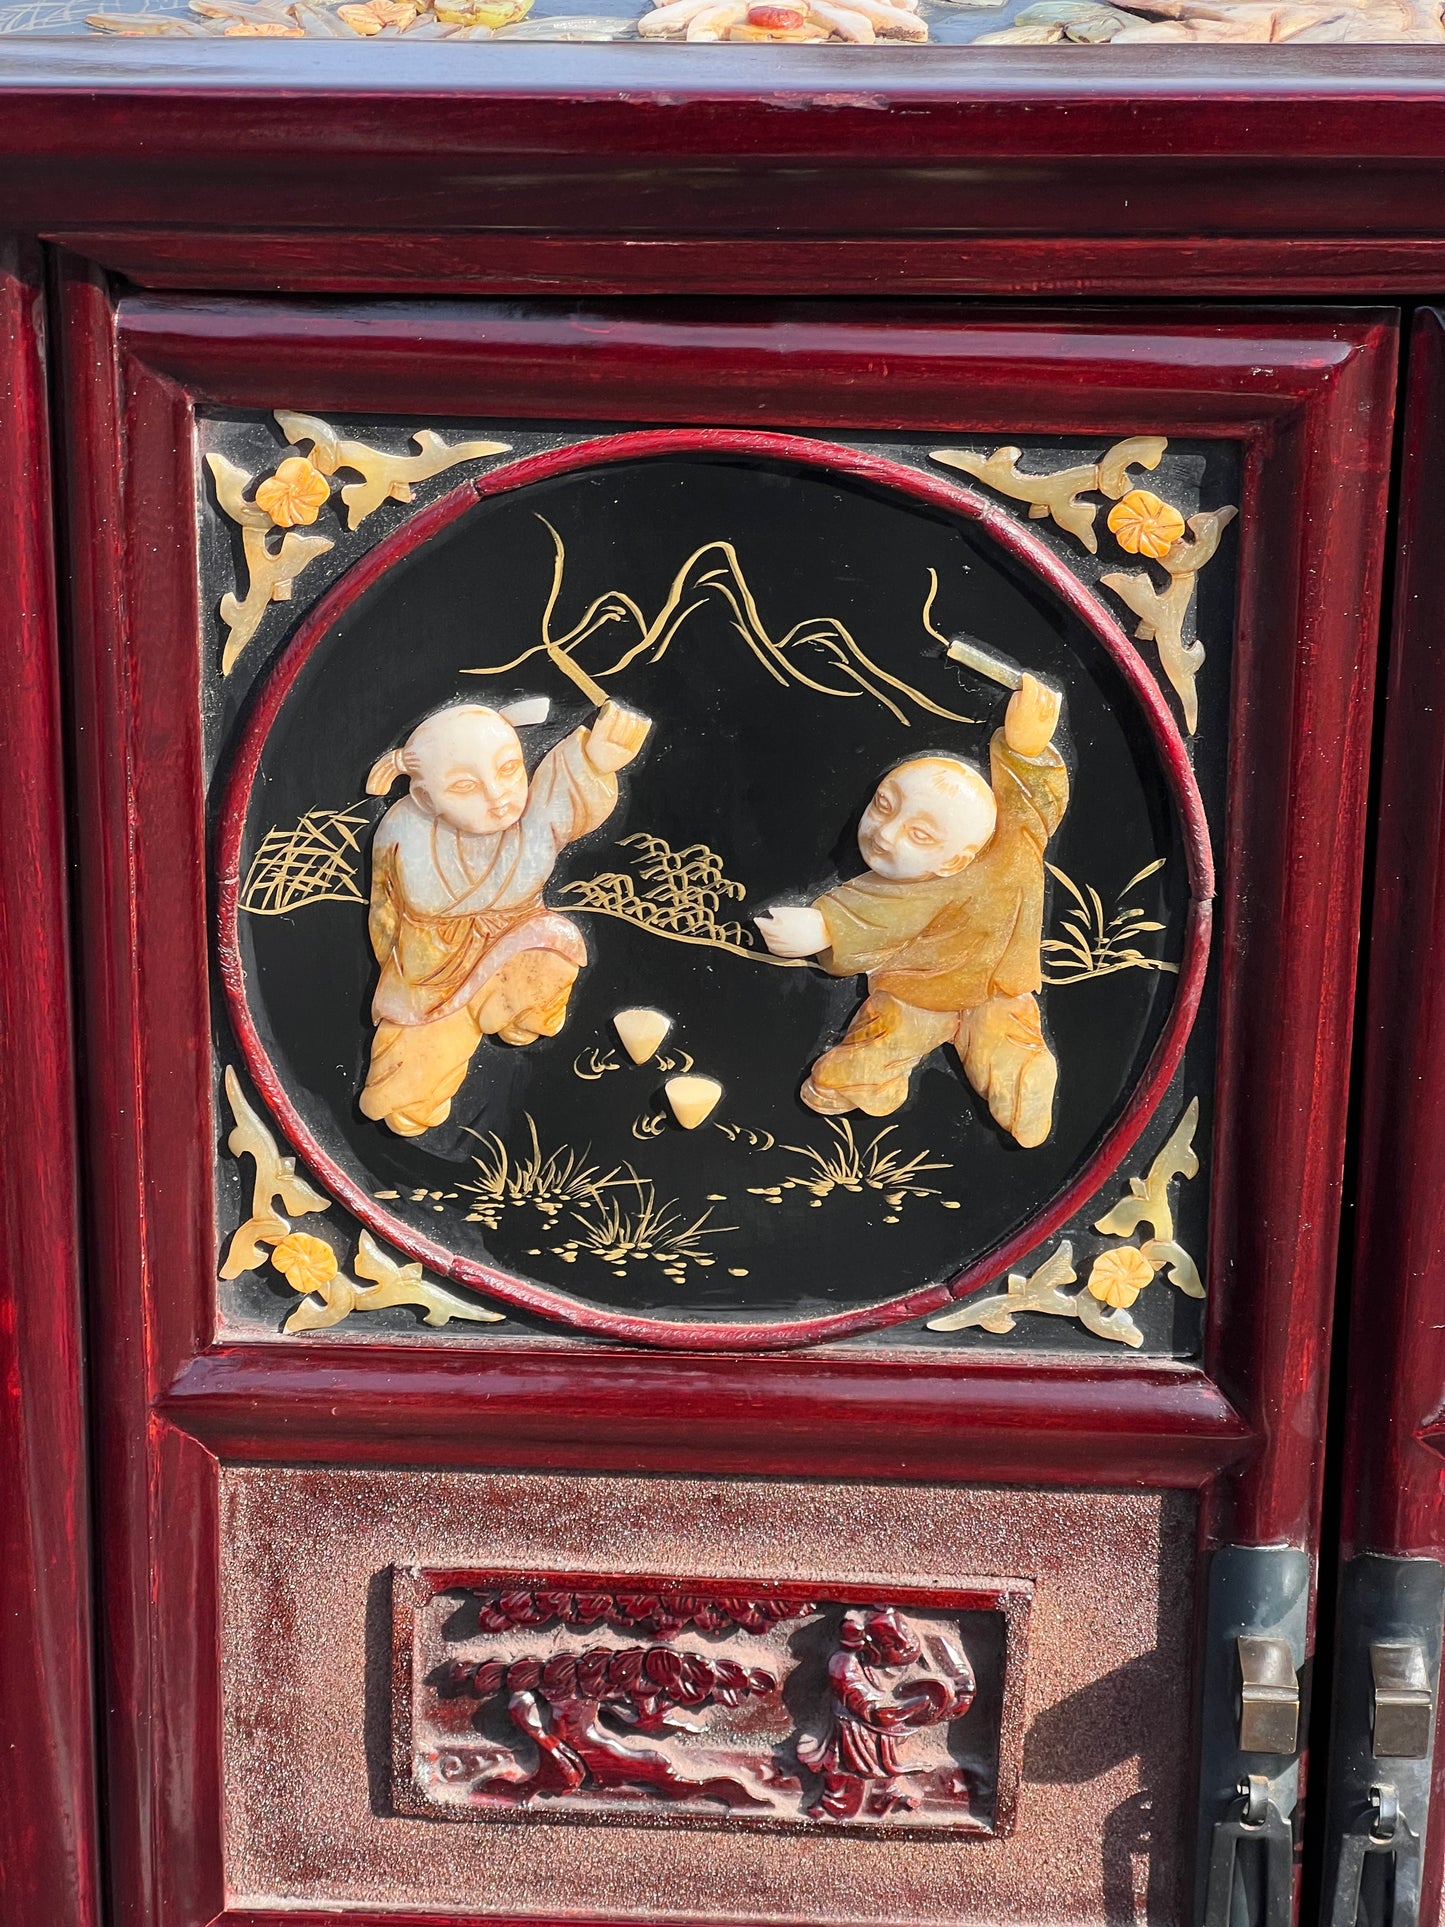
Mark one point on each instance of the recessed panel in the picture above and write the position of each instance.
(712, 887)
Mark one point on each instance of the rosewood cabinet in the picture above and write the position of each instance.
(721, 749)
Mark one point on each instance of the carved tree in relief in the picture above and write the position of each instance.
(563, 1705)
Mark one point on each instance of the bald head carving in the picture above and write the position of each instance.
(930, 817)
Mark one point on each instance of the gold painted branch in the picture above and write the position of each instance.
(270, 574)
(1058, 494)
(1163, 612)
(384, 476)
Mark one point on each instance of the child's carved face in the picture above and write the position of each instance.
(928, 818)
(466, 766)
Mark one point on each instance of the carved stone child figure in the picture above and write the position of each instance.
(467, 947)
(946, 923)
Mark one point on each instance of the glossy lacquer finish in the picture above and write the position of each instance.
(1393, 1478)
(1310, 400)
(47, 1794)
(498, 168)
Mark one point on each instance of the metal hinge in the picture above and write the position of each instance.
(1250, 1726)
(1387, 1667)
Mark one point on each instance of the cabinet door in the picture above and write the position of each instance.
(1392, 1577)
(714, 1264)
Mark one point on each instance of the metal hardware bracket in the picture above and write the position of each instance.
(1404, 1701)
(1258, 1822)
(1385, 1835)
(1249, 1732)
(1388, 1661)
(1269, 1696)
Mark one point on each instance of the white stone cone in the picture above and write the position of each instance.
(641, 1031)
(693, 1099)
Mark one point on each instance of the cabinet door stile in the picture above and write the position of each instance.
(48, 1845)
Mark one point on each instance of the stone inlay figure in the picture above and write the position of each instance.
(467, 947)
(946, 924)
(857, 1756)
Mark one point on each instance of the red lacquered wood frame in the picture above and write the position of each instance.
(676, 170)
(48, 1869)
(1393, 1473)
(1394, 1484)
(1310, 398)
(1017, 540)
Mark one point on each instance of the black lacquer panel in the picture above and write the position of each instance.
(766, 1210)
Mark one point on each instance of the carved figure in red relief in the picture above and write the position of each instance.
(559, 1705)
(858, 1755)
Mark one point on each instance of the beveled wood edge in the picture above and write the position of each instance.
(495, 263)
(873, 1413)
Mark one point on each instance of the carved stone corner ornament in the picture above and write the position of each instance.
(1117, 1274)
(309, 1263)
(1141, 523)
(707, 1702)
(294, 495)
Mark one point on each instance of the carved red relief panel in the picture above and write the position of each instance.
(596, 1697)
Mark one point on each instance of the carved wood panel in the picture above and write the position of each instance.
(588, 1697)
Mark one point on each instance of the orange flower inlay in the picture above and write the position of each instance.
(306, 1263)
(1144, 525)
(1118, 1277)
(296, 493)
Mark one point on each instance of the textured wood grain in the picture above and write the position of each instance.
(1392, 1477)
(47, 1778)
(500, 262)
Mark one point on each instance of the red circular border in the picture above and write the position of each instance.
(539, 1299)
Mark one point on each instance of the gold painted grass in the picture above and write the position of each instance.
(849, 1166)
(1096, 946)
(620, 1232)
(551, 1181)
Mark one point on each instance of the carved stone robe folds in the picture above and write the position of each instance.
(953, 960)
(466, 945)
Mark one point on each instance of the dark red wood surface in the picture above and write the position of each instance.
(935, 169)
(48, 1868)
(328, 260)
(1394, 1475)
(1310, 398)
(1393, 1459)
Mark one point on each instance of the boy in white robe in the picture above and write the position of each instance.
(467, 947)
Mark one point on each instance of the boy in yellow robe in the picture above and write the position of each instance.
(946, 924)
(467, 947)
